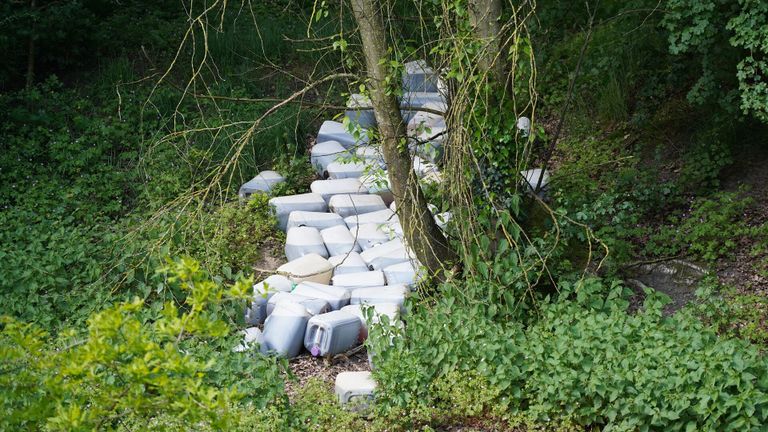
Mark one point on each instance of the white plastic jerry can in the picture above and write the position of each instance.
(337, 297)
(319, 220)
(384, 216)
(346, 169)
(331, 187)
(351, 281)
(311, 267)
(383, 294)
(371, 234)
(335, 131)
(386, 254)
(404, 273)
(302, 241)
(377, 183)
(355, 387)
(256, 312)
(371, 153)
(347, 263)
(420, 77)
(338, 240)
(251, 336)
(313, 306)
(360, 111)
(332, 333)
(323, 154)
(284, 205)
(351, 204)
(284, 329)
(263, 182)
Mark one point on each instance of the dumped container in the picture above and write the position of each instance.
(332, 333)
(314, 306)
(302, 241)
(386, 216)
(374, 312)
(338, 240)
(442, 219)
(335, 131)
(263, 182)
(386, 254)
(347, 263)
(319, 220)
(350, 281)
(356, 388)
(360, 111)
(405, 273)
(381, 294)
(423, 120)
(323, 153)
(256, 312)
(377, 182)
(252, 338)
(370, 235)
(531, 178)
(346, 169)
(370, 153)
(419, 99)
(285, 328)
(422, 167)
(351, 204)
(329, 188)
(284, 205)
(419, 77)
(337, 297)
(311, 267)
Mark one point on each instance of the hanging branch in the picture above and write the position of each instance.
(568, 98)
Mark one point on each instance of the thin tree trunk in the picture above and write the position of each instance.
(422, 234)
(31, 47)
(484, 16)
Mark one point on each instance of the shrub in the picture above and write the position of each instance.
(234, 237)
(712, 229)
(585, 361)
(131, 368)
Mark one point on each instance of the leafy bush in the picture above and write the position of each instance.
(726, 38)
(737, 315)
(711, 230)
(234, 237)
(132, 368)
(585, 361)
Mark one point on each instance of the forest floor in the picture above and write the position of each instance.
(740, 272)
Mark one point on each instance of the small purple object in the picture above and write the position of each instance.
(315, 351)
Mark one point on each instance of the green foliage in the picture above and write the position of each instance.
(710, 231)
(703, 163)
(131, 368)
(298, 175)
(727, 38)
(734, 314)
(73, 33)
(585, 361)
(315, 408)
(233, 237)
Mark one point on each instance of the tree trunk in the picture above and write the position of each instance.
(31, 47)
(422, 234)
(484, 16)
